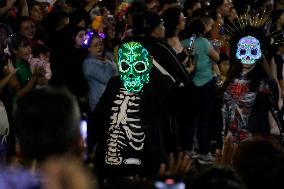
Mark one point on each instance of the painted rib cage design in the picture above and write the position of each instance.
(125, 132)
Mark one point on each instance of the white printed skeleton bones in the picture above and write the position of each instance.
(125, 130)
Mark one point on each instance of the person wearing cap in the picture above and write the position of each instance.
(167, 58)
(154, 25)
(154, 31)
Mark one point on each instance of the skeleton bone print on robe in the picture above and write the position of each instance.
(128, 120)
(126, 137)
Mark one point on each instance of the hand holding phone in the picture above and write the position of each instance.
(191, 42)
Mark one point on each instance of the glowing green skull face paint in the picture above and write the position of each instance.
(134, 65)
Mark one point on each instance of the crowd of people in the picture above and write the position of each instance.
(175, 94)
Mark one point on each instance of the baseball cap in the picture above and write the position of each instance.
(151, 21)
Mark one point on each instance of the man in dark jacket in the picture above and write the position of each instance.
(171, 64)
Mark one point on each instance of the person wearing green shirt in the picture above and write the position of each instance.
(205, 57)
(24, 80)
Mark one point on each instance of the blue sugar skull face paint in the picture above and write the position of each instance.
(248, 50)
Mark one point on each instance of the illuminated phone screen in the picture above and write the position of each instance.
(169, 184)
(83, 130)
(191, 41)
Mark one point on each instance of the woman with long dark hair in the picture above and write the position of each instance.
(249, 90)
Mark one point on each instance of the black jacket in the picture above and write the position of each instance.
(169, 60)
(156, 107)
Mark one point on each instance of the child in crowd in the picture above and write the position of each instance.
(216, 139)
(40, 58)
(224, 66)
(24, 80)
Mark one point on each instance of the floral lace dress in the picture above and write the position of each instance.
(237, 107)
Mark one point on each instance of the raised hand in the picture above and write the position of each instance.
(225, 156)
(176, 168)
(9, 68)
(39, 71)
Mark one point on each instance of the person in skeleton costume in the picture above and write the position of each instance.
(130, 116)
(249, 91)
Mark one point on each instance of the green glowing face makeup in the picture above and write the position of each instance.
(134, 65)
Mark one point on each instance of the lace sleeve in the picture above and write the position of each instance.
(225, 118)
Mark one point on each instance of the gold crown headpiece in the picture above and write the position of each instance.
(259, 21)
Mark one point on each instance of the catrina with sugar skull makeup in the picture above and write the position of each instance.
(249, 92)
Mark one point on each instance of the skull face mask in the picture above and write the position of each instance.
(134, 64)
(248, 50)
